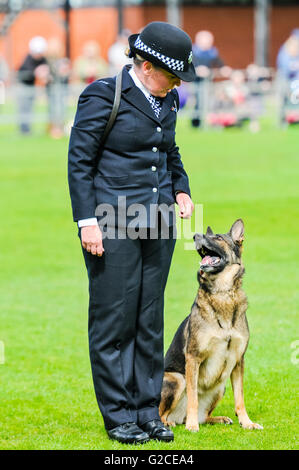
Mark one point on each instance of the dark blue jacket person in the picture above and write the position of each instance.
(139, 163)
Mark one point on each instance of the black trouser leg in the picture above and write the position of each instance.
(126, 289)
(114, 286)
(149, 355)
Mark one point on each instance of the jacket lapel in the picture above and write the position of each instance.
(168, 106)
(132, 94)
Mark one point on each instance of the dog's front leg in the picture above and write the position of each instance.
(237, 384)
(192, 367)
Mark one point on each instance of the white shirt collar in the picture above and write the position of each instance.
(138, 83)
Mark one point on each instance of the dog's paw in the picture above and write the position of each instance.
(168, 423)
(226, 420)
(193, 427)
(251, 425)
(171, 424)
(219, 420)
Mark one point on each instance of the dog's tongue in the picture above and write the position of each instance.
(209, 260)
(206, 260)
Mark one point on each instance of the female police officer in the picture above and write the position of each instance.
(139, 163)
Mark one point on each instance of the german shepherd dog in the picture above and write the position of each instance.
(210, 344)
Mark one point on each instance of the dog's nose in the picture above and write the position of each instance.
(198, 239)
(197, 236)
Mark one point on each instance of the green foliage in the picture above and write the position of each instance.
(46, 394)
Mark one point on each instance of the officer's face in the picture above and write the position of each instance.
(158, 81)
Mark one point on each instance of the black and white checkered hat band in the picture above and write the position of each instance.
(173, 64)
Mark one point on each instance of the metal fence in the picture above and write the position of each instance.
(243, 99)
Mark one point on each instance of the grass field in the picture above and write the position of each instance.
(46, 394)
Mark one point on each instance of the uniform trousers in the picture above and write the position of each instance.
(125, 327)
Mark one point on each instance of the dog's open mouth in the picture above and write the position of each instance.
(210, 261)
(213, 256)
(209, 258)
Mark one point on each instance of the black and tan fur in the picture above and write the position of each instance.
(210, 344)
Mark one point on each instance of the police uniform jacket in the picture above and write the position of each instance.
(139, 159)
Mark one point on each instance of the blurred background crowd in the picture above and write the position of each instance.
(50, 50)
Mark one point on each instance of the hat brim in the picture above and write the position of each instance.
(188, 75)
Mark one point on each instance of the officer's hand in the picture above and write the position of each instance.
(91, 238)
(185, 204)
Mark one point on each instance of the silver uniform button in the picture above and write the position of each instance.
(155, 190)
(159, 129)
(154, 149)
(154, 168)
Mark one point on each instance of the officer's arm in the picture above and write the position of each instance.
(94, 108)
(180, 182)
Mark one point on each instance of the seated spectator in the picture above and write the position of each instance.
(236, 88)
(90, 66)
(230, 101)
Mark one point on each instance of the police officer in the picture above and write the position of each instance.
(139, 163)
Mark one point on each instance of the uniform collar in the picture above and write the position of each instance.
(138, 83)
(137, 97)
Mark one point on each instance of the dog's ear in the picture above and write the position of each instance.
(209, 231)
(237, 232)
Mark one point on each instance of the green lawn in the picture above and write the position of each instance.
(46, 394)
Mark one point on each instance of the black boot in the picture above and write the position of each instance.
(128, 433)
(156, 430)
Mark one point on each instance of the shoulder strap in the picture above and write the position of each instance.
(115, 107)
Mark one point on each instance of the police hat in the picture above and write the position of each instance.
(166, 46)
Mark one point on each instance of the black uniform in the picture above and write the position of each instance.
(140, 162)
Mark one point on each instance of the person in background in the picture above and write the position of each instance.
(205, 54)
(236, 88)
(116, 53)
(4, 70)
(288, 57)
(259, 84)
(90, 66)
(34, 68)
(205, 58)
(57, 86)
(288, 77)
(4, 77)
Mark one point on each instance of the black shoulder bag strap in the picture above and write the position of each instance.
(115, 107)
